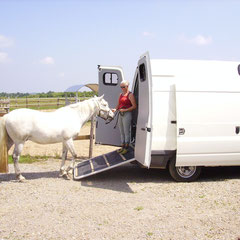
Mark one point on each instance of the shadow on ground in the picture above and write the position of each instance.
(118, 179)
(29, 175)
(210, 174)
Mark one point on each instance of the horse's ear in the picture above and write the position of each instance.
(100, 98)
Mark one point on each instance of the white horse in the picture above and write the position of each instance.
(62, 125)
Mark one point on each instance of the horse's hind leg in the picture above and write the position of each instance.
(9, 143)
(16, 155)
(63, 171)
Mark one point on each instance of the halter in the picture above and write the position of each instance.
(117, 116)
(100, 110)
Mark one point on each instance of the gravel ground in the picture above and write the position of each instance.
(127, 202)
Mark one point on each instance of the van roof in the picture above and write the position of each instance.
(194, 68)
(197, 74)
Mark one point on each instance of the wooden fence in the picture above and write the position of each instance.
(9, 104)
(40, 103)
(4, 106)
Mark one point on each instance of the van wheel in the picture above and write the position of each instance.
(183, 174)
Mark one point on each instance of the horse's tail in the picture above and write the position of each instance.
(3, 147)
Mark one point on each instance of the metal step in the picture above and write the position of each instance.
(102, 163)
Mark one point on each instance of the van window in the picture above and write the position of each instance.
(110, 79)
(142, 72)
(239, 69)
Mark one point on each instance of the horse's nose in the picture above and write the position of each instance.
(111, 115)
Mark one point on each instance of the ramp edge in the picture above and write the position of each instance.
(99, 171)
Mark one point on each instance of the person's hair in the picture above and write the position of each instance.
(125, 82)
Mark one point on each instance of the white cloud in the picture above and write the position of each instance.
(4, 57)
(198, 40)
(5, 42)
(201, 40)
(61, 75)
(148, 34)
(47, 60)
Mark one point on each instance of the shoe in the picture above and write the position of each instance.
(120, 150)
(125, 150)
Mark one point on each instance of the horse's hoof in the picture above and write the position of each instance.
(21, 178)
(70, 171)
(62, 173)
(67, 177)
(70, 175)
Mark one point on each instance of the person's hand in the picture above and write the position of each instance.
(122, 110)
(113, 109)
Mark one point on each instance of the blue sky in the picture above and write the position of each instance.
(51, 45)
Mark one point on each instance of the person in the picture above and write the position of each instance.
(126, 104)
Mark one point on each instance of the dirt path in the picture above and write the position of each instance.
(125, 203)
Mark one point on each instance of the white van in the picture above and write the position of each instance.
(188, 114)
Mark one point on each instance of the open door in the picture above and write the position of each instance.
(144, 120)
(109, 79)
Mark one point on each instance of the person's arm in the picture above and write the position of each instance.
(133, 102)
(115, 109)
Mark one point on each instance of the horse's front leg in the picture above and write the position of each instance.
(63, 171)
(16, 155)
(70, 146)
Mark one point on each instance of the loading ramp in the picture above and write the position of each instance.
(102, 163)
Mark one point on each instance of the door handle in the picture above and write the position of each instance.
(146, 128)
(181, 131)
(237, 129)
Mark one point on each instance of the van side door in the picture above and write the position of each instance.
(144, 120)
(207, 123)
(109, 79)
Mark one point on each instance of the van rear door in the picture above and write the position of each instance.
(109, 79)
(144, 121)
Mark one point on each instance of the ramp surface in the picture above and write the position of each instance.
(102, 163)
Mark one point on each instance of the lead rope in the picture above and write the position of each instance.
(116, 115)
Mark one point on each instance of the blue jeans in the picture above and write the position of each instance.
(124, 124)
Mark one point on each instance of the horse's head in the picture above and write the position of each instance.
(104, 111)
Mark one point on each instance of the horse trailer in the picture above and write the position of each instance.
(187, 114)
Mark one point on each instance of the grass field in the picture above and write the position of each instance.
(30, 159)
(37, 103)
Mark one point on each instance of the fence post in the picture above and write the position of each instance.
(66, 100)
(26, 102)
(76, 97)
(91, 137)
(58, 103)
(8, 105)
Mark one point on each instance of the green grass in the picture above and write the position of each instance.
(30, 159)
(139, 208)
(41, 103)
(149, 234)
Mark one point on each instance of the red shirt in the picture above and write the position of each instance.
(124, 102)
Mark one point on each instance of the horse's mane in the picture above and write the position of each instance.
(83, 104)
(74, 105)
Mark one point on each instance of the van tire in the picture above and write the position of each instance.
(183, 174)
